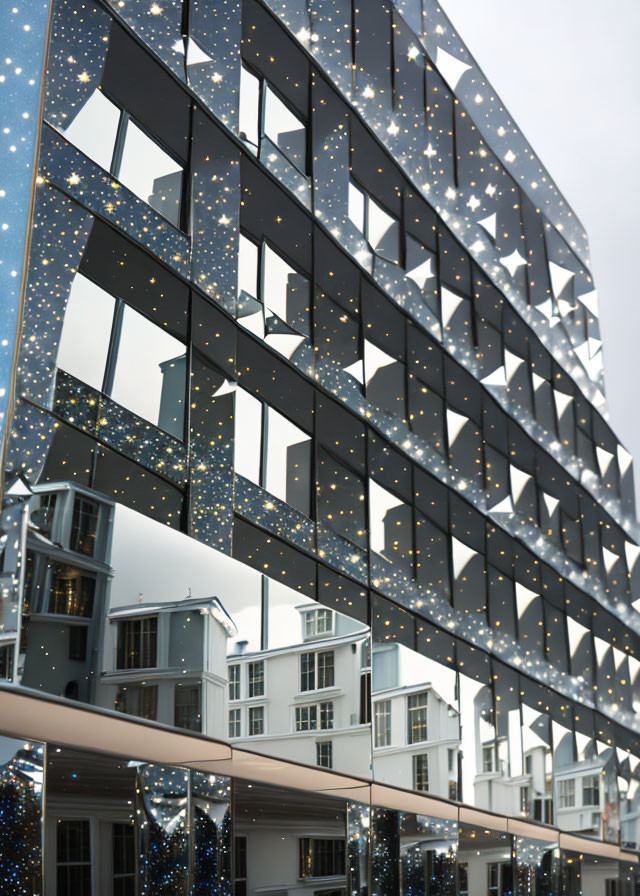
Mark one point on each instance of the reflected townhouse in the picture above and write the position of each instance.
(318, 556)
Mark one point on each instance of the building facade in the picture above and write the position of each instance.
(318, 559)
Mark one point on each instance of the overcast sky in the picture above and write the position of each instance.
(569, 73)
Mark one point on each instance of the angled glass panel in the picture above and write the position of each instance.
(94, 129)
(288, 467)
(150, 373)
(86, 332)
(249, 109)
(151, 173)
(285, 129)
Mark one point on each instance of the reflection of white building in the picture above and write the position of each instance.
(167, 663)
(416, 731)
(66, 581)
(307, 701)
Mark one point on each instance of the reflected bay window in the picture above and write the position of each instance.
(187, 712)
(117, 351)
(591, 790)
(72, 592)
(84, 526)
(315, 716)
(111, 138)
(566, 793)
(416, 718)
(137, 643)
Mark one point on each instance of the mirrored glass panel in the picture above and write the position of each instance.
(21, 809)
(151, 173)
(285, 129)
(296, 841)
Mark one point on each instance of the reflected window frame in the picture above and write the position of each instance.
(125, 118)
(260, 126)
(111, 363)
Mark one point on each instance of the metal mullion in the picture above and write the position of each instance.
(114, 344)
(118, 149)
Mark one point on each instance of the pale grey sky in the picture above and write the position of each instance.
(568, 71)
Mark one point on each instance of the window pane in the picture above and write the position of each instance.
(288, 474)
(247, 435)
(94, 129)
(249, 108)
(150, 373)
(84, 343)
(285, 130)
(356, 206)
(383, 232)
(151, 173)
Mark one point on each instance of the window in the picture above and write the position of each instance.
(264, 115)
(381, 230)
(488, 759)
(308, 718)
(256, 679)
(421, 772)
(73, 857)
(235, 729)
(528, 764)
(187, 713)
(317, 623)
(274, 299)
(6, 662)
(316, 670)
(566, 793)
(119, 352)
(77, 642)
(493, 879)
(525, 800)
(139, 701)
(383, 723)
(113, 140)
(591, 790)
(240, 865)
(463, 879)
(43, 516)
(83, 526)
(365, 698)
(137, 643)
(417, 718)
(256, 720)
(72, 592)
(124, 860)
(453, 790)
(321, 858)
(451, 759)
(234, 682)
(324, 754)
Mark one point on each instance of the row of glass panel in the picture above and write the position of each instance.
(112, 138)
(77, 823)
(100, 345)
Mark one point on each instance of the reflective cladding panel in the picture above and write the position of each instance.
(538, 867)
(427, 855)
(587, 875)
(120, 826)
(21, 809)
(485, 862)
(297, 841)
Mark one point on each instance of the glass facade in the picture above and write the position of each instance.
(318, 557)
